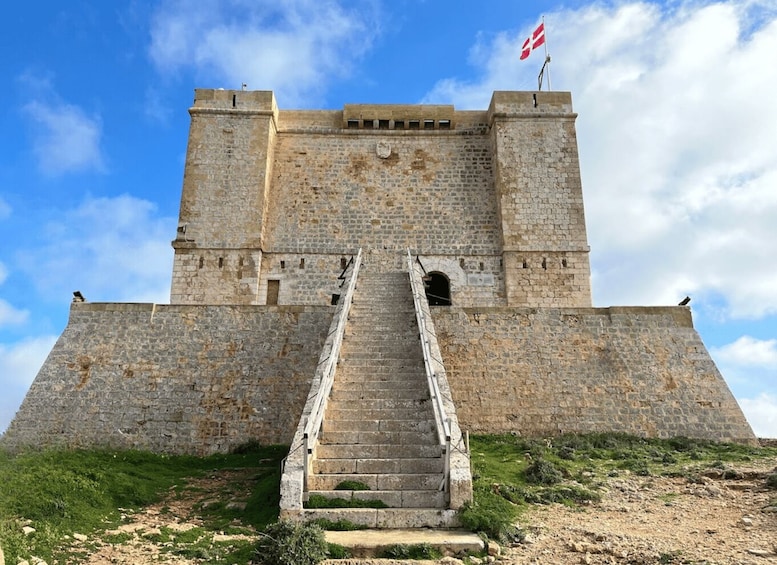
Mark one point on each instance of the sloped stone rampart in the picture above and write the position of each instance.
(544, 372)
(182, 379)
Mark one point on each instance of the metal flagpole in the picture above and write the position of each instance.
(547, 57)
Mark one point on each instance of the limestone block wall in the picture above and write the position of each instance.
(544, 372)
(178, 379)
(375, 189)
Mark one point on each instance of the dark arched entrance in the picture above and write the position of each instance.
(438, 289)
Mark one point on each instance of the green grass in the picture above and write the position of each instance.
(82, 491)
(511, 472)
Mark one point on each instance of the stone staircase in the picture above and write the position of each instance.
(379, 427)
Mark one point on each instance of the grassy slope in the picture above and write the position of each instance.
(59, 493)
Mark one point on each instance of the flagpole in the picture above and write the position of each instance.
(547, 57)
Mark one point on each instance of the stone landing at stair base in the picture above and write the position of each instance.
(368, 543)
(381, 518)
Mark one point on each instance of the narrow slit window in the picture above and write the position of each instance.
(302, 263)
(343, 263)
(283, 264)
(221, 262)
(544, 263)
(563, 262)
(234, 100)
(202, 262)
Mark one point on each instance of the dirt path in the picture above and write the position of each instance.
(646, 520)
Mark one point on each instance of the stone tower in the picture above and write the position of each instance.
(273, 200)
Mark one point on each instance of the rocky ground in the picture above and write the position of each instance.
(721, 518)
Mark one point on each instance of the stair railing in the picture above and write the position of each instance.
(327, 365)
(425, 329)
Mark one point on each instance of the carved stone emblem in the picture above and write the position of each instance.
(383, 150)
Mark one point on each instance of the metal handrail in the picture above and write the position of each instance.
(441, 419)
(327, 366)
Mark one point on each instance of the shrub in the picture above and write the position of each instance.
(352, 485)
(543, 472)
(492, 515)
(417, 551)
(288, 543)
(771, 481)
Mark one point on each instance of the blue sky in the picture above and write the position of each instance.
(676, 132)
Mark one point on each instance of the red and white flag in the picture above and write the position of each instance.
(533, 41)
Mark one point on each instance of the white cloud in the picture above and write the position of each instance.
(111, 249)
(761, 412)
(293, 47)
(19, 363)
(750, 352)
(675, 131)
(66, 139)
(11, 316)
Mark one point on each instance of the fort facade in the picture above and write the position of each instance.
(276, 203)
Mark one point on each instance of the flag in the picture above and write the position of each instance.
(533, 41)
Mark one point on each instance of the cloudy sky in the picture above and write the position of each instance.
(677, 132)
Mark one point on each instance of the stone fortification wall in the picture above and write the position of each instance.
(543, 372)
(185, 379)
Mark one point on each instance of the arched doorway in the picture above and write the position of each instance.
(438, 289)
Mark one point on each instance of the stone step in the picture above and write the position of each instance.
(392, 498)
(369, 543)
(382, 481)
(387, 518)
(380, 398)
(416, 383)
(348, 373)
(372, 438)
(369, 466)
(380, 403)
(360, 425)
(358, 413)
(410, 354)
(378, 451)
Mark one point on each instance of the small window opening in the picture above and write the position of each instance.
(202, 262)
(383, 124)
(240, 262)
(283, 264)
(482, 266)
(399, 124)
(534, 96)
(221, 262)
(444, 124)
(353, 124)
(415, 124)
(302, 263)
(369, 124)
(234, 100)
(335, 299)
(343, 263)
(525, 264)
(563, 262)
(544, 263)
(461, 262)
(428, 124)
